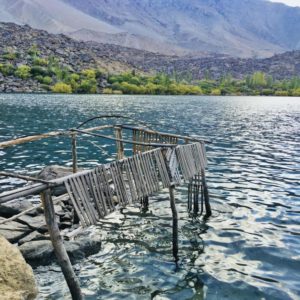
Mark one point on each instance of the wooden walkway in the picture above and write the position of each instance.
(158, 161)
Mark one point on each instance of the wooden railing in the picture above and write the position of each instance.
(143, 140)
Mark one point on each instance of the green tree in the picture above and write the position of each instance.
(87, 86)
(258, 79)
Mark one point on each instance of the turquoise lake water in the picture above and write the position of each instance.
(248, 249)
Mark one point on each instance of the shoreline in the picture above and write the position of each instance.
(152, 95)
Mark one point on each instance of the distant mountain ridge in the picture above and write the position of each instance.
(78, 55)
(245, 28)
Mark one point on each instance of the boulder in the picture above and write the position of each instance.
(33, 236)
(53, 172)
(14, 207)
(40, 252)
(13, 231)
(83, 246)
(35, 223)
(16, 277)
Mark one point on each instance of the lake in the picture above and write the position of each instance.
(248, 249)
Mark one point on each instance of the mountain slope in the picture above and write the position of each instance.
(53, 16)
(77, 55)
(245, 28)
(235, 27)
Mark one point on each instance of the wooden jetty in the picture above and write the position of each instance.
(158, 160)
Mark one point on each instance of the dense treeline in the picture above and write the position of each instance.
(59, 78)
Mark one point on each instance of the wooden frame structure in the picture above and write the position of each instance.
(156, 156)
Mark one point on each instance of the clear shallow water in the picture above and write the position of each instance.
(248, 249)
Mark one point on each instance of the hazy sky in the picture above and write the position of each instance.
(288, 2)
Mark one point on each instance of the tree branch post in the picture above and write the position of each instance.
(74, 152)
(175, 222)
(59, 248)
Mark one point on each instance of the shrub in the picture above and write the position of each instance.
(267, 92)
(100, 73)
(40, 62)
(61, 87)
(216, 92)
(195, 90)
(89, 73)
(33, 51)
(46, 87)
(7, 69)
(10, 56)
(296, 92)
(39, 78)
(38, 70)
(47, 80)
(117, 92)
(107, 91)
(281, 93)
(23, 72)
(129, 88)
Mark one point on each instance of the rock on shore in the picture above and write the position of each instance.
(16, 277)
(30, 232)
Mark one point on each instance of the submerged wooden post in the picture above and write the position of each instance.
(58, 245)
(120, 145)
(206, 195)
(74, 152)
(145, 203)
(175, 223)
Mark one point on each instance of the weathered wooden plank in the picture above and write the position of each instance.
(81, 187)
(153, 170)
(97, 200)
(79, 197)
(130, 181)
(138, 185)
(100, 193)
(162, 167)
(144, 174)
(139, 175)
(81, 216)
(105, 187)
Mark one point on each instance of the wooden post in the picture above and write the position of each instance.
(206, 195)
(74, 152)
(120, 145)
(175, 223)
(145, 203)
(197, 183)
(58, 245)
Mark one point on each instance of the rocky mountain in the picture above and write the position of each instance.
(245, 28)
(76, 56)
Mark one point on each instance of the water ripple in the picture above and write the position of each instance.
(248, 249)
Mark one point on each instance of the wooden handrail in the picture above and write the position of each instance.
(32, 138)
